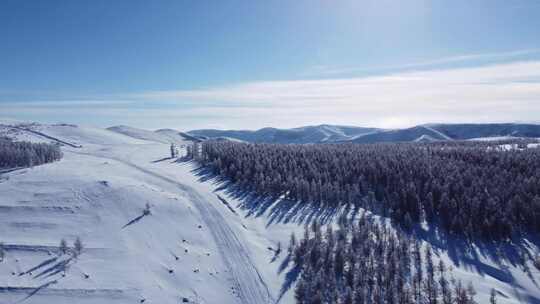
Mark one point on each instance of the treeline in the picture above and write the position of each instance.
(366, 262)
(474, 189)
(26, 154)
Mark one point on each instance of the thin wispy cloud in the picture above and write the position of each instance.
(494, 93)
(434, 63)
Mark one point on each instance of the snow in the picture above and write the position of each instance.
(446, 137)
(217, 249)
(494, 138)
(93, 193)
(425, 138)
(140, 134)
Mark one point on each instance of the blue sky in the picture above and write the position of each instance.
(249, 64)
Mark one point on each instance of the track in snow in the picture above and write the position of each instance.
(247, 280)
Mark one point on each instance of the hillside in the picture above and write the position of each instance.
(202, 240)
(191, 246)
(334, 134)
(303, 135)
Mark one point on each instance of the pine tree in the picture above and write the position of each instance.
(292, 244)
(471, 292)
(461, 293)
(419, 274)
(537, 262)
(432, 292)
(348, 297)
(446, 291)
(300, 292)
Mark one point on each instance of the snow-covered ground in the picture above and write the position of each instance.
(200, 241)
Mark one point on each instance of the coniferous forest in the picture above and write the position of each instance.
(475, 189)
(365, 262)
(26, 154)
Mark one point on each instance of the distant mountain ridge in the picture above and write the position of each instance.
(336, 134)
(302, 135)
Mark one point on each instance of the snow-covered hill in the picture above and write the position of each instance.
(201, 241)
(303, 135)
(335, 134)
(190, 246)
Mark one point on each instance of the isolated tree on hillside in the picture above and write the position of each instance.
(63, 246)
(147, 210)
(2, 252)
(174, 151)
(493, 296)
(78, 247)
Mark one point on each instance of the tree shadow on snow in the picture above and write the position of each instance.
(161, 160)
(133, 221)
(290, 278)
(277, 210)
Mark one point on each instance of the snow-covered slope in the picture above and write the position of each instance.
(193, 245)
(336, 134)
(452, 132)
(139, 134)
(160, 136)
(172, 135)
(187, 247)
